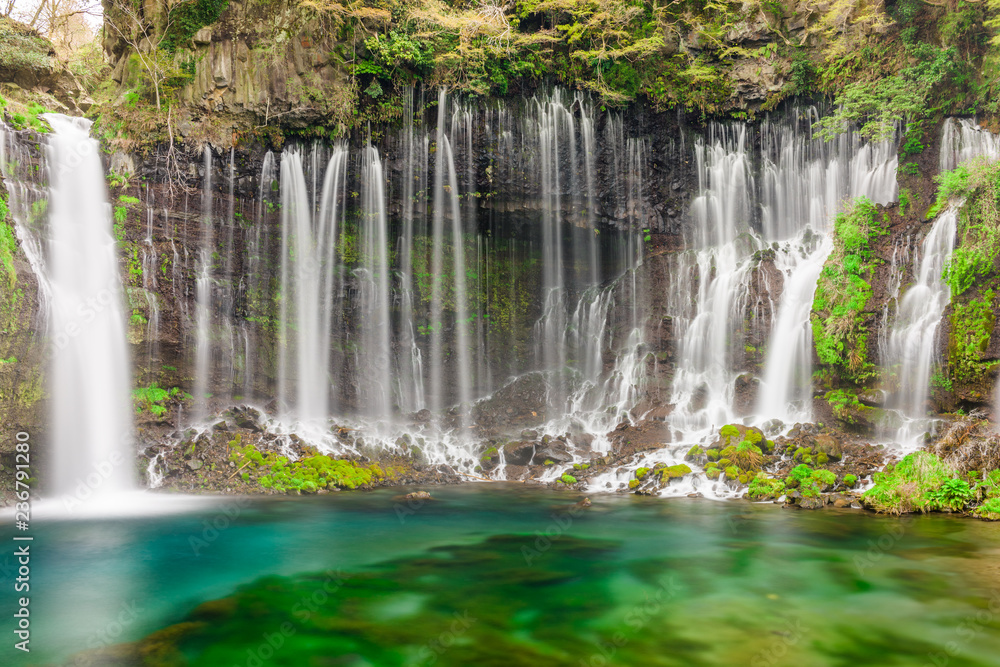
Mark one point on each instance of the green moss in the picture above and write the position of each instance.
(762, 487)
(8, 244)
(971, 328)
(274, 471)
(850, 481)
(843, 291)
(712, 454)
(729, 431)
(746, 455)
(989, 510)
(641, 472)
(712, 473)
(732, 472)
(674, 472)
(633, 483)
(567, 479)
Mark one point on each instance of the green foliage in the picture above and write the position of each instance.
(22, 49)
(843, 291)
(186, 18)
(971, 327)
(904, 487)
(8, 243)
(567, 479)
(746, 455)
(762, 487)
(850, 480)
(978, 183)
(152, 399)
(308, 474)
(953, 494)
(876, 106)
(989, 510)
(941, 381)
(905, 197)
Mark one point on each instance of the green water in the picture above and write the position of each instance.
(502, 575)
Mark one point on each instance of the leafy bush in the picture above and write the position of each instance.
(954, 494)
(763, 487)
(903, 487)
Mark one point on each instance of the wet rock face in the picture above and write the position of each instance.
(522, 402)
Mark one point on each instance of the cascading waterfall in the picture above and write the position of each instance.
(703, 383)
(90, 379)
(806, 181)
(913, 340)
(307, 284)
(203, 297)
(962, 140)
(411, 363)
(912, 343)
(375, 368)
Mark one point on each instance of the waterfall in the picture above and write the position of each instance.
(786, 389)
(203, 297)
(90, 376)
(913, 341)
(806, 181)
(411, 364)
(374, 365)
(962, 140)
(308, 239)
(703, 383)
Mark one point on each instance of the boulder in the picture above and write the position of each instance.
(519, 453)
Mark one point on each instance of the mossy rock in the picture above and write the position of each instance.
(828, 445)
(733, 434)
(713, 473)
(641, 472)
(696, 454)
(633, 483)
(675, 471)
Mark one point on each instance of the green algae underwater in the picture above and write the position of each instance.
(503, 575)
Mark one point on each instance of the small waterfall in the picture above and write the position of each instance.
(446, 204)
(962, 140)
(90, 375)
(203, 297)
(308, 239)
(913, 341)
(375, 354)
(806, 181)
(411, 364)
(703, 384)
(786, 390)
